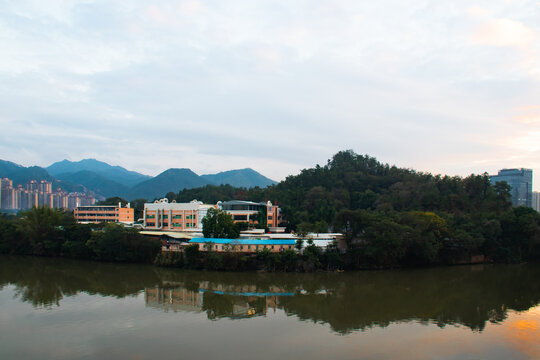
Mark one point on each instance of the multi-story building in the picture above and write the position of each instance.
(165, 215)
(171, 216)
(104, 213)
(536, 201)
(250, 212)
(35, 194)
(520, 181)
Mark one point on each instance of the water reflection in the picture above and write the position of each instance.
(243, 302)
(468, 296)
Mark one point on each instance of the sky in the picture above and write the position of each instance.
(449, 87)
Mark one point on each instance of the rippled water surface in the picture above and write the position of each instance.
(63, 309)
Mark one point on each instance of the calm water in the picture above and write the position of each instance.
(62, 309)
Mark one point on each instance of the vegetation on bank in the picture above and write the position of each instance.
(312, 258)
(51, 232)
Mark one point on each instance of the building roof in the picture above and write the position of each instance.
(173, 234)
(98, 206)
(243, 241)
(241, 202)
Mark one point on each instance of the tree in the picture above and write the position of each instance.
(219, 224)
(44, 229)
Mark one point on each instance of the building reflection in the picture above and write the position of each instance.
(234, 302)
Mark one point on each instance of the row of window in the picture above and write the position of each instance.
(188, 225)
(95, 215)
(255, 247)
(165, 216)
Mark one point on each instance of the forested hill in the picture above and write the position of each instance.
(394, 216)
(359, 182)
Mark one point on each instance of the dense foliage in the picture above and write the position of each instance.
(51, 232)
(393, 216)
(311, 259)
(219, 224)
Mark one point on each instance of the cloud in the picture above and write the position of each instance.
(503, 32)
(478, 11)
(275, 85)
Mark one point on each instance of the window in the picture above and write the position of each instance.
(177, 216)
(272, 246)
(177, 224)
(249, 246)
(165, 216)
(270, 217)
(240, 217)
(150, 224)
(150, 216)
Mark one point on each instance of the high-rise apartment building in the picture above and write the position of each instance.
(536, 201)
(35, 194)
(520, 181)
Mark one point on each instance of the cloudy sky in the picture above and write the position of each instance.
(448, 87)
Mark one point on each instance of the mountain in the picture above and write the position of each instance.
(115, 173)
(95, 182)
(20, 175)
(173, 180)
(109, 181)
(240, 178)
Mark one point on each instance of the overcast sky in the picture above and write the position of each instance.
(448, 87)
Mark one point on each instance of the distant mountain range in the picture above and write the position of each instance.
(107, 181)
(114, 173)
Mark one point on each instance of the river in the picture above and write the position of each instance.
(65, 309)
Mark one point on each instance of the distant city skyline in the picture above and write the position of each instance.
(442, 87)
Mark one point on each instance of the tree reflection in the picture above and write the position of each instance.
(468, 295)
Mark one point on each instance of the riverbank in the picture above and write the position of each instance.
(49, 232)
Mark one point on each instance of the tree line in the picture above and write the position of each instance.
(51, 232)
(393, 216)
(390, 217)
